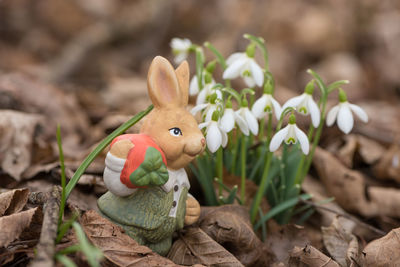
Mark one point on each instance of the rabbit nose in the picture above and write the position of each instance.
(203, 141)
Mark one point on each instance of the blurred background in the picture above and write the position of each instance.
(84, 63)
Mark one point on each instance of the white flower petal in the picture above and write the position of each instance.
(251, 121)
(259, 106)
(198, 108)
(278, 138)
(224, 139)
(303, 140)
(213, 137)
(242, 124)
(314, 111)
(235, 56)
(210, 110)
(256, 72)
(179, 58)
(228, 120)
(249, 81)
(194, 86)
(234, 70)
(359, 112)
(332, 114)
(294, 101)
(204, 124)
(345, 119)
(201, 98)
(277, 108)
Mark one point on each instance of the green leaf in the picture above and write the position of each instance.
(106, 141)
(280, 208)
(152, 171)
(63, 178)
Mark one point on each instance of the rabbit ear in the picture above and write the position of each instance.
(182, 73)
(162, 84)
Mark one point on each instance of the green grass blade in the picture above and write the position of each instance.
(64, 227)
(63, 179)
(64, 260)
(89, 159)
(280, 208)
(92, 253)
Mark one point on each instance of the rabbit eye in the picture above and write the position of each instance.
(175, 131)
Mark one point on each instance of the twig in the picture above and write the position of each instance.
(344, 215)
(46, 246)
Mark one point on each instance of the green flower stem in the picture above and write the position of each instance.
(303, 157)
(89, 159)
(220, 161)
(261, 44)
(315, 142)
(264, 179)
(217, 54)
(261, 188)
(243, 168)
(235, 150)
(199, 67)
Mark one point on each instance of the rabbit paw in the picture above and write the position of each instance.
(192, 211)
(121, 148)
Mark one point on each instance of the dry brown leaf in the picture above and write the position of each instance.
(196, 247)
(341, 245)
(388, 166)
(118, 248)
(17, 132)
(369, 150)
(285, 238)
(13, 201)
(350, 191)
(383, 125)
(311, 256)
(12, 226)
(230, 226)
(383, 251)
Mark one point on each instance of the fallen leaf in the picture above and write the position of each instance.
(285, 239)
(118, 248)
(13, 201)
(230, 226)
(388, 166)
(341, 245)
(17, 131)
(350, 190)
(311, 256)
(12, 226)
(383, 251)
(195, 247)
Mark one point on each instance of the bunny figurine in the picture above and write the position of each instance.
(148, 186)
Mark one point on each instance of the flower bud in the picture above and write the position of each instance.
(268, 88)
(207, 78)
(211, 66)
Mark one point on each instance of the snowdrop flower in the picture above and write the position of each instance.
(228, 119)
(180, 48)
(208, 108)
(290, 134)
(342, 114)
(305, 104)
(215, 136)
(244, 65)
(266, 104)
(246, 120)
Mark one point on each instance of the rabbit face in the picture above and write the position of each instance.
(176, 132)
(170, 125)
